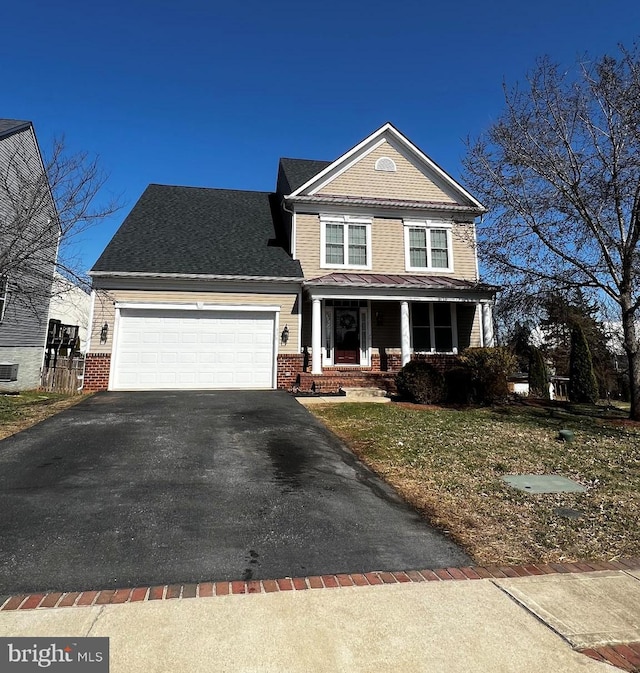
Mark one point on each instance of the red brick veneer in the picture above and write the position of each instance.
(96, 372)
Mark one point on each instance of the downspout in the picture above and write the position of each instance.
(293, 225)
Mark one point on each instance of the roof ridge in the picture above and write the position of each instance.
(211, 189)
(328, 161)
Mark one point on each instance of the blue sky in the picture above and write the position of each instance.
(210, 94)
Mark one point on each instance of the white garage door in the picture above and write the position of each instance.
(181, 349)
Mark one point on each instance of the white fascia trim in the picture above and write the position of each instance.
(345, 167)
(475, 251)
(195, 306)
(436, 169)
(403, 140)
(347, 155)
(192, 276)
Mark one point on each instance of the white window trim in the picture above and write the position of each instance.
(345, 221)
(432, 330)
(328, 336)
(4, 295)
(428, 225)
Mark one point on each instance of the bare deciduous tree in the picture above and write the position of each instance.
(560, 173)
(44, 208)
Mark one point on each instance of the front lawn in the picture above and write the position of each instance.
(22, 410)
(447, 463)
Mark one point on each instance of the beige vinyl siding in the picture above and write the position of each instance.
(105, 310)
(476, 330)
(464, 253)
(308, 245)
(407, 182)
(466, 314)
(387, 240)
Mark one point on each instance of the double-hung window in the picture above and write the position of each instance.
(345, 242)
(427, 245)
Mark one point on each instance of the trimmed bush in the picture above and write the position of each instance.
(583, 386)
(421, 382)
(488, 369)
(459, 385)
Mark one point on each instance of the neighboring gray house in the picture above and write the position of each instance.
(28, 249)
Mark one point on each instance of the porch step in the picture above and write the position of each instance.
(365, 392)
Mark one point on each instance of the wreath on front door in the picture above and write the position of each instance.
(347, 321)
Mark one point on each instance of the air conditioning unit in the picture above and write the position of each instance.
(8, 371)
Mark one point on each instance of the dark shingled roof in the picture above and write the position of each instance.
(8, 126)
(299, 171)
(195, 230)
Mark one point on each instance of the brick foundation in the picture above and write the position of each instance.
(289, 366)
(381, 373)
(96, 372)
(441, 362)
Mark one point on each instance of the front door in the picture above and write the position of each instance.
(347, 336)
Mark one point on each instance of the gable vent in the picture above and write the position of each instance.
(8, 372)
(386, 164)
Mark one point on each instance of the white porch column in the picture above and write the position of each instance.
(405, 337)
(316, 337)
(487, 325)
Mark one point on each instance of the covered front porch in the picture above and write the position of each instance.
(360, 327)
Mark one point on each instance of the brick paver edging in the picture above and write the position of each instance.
(626, 657)
(208, 589)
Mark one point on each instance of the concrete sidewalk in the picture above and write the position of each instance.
(512, 624)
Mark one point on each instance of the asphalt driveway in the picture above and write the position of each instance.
(132, 489)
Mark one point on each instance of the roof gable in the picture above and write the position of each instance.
(415, 178)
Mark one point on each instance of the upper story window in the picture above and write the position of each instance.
(428, 245)
(3, 296)
(345, 242)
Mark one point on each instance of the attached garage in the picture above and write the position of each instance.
(191, 348)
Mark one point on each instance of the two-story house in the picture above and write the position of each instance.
(29, 236)
(339, 277)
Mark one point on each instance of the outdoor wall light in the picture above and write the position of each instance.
(284, 337)
(104, 333)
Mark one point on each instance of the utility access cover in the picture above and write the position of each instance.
(543, 483)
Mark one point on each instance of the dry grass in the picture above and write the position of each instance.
(18, 412)
(447, 463)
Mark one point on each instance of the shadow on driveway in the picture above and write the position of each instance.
(133, 489)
